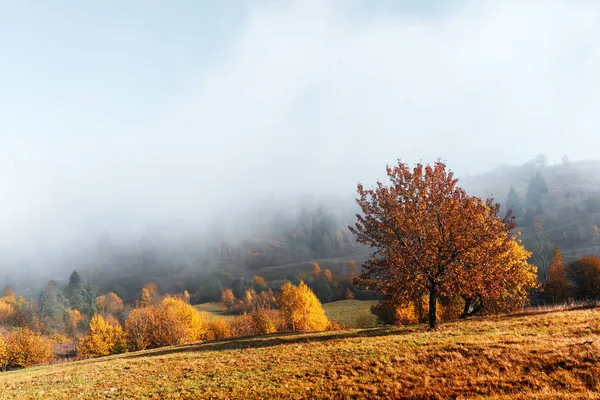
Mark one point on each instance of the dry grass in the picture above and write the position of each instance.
(553, 354)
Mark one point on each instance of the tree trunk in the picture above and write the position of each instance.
(433, 295)
(468, 303)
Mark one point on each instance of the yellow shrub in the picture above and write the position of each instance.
(171, 322)
(219, 329)
(3, 354)
(179, 323)
(139, 328)
(26, 348)
(262, 324)
(301, 308)
(406, 314)
(102, 339)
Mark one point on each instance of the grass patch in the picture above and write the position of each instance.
(352, 313)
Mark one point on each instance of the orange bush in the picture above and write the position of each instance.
(171, 322)
(109, 304)
(219, 329)
(139, 328)
(24, 348)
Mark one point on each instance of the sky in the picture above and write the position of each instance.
(119, 113)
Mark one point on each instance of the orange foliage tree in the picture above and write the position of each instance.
(103, 338)
(171, 322)
(109, 304)
(316, 271)
(73, 319)
(228, 299)
(428, 235)
(556, 287)
(301, 308)
(24, 348)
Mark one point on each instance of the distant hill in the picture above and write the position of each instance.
(570, 212)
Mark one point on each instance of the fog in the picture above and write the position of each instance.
(115, 118)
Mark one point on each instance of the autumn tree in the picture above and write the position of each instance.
(25, 348)
(428, 235)
(172, 321)
(139, 328)
(316, 271)
(301, 308)
(110, 304)
(228, 299)
(585, 275)
(103, 338)
(556, 288)
(73, 320)
(259, 283)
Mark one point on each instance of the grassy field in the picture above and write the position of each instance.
(351, 313)
(548, 355)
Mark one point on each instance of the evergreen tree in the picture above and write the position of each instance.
(535, 191)
(513, 202)
(79, 297)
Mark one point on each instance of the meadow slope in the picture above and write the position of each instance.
(539, 356)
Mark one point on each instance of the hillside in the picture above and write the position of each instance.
(544, 355)
(571, 209)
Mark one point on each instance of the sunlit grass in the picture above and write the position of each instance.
(551, 354)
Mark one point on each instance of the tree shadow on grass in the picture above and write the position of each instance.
(255, 342)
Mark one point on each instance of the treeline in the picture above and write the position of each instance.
(30, 330)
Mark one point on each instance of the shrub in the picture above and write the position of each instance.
(171, 322)
(219, 329)
(139, 328)
(24, 348)
(178, 322)
(3, 354)
(301, 308)
(103, 338)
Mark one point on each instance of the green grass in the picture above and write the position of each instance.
(548, 355)
(351, 313)
(214, 311)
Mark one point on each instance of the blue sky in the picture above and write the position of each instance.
(144, 110)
